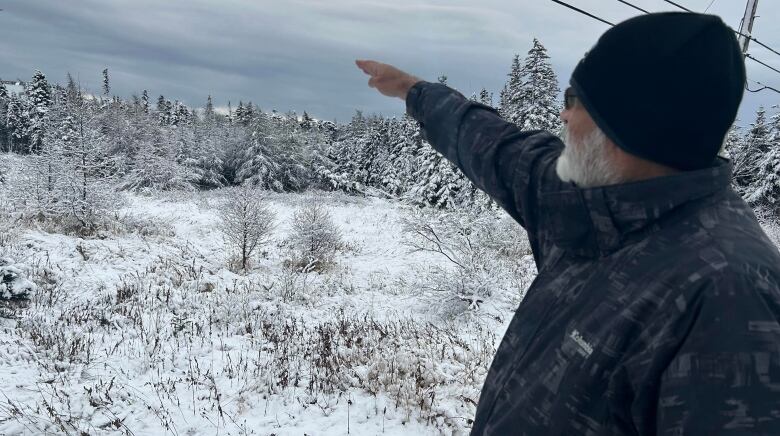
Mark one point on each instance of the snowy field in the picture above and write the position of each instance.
(148, 327)
(146, 330)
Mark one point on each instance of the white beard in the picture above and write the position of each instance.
(586, 162)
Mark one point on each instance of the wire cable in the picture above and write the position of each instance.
(751, 57)
(735, 31)
(633, 6)
(747, 55)
(679, 6)
(582, 12)
(709, 6)
(763, 87)
(758, 42)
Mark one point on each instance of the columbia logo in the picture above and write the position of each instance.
(584, 347)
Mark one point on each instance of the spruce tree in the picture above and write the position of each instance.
(145, 102)
(486, 97)
(538, 94)
(240, 115)
(5, 140)
(163, 111)
(249, 113)
(106, 85)
(307, 123)
(39, 100)
(765, 189)
(748, 158)
(16, 122)
(209, 112)
(72, 90)
(511, 107)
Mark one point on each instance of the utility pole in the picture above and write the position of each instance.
(746, 28)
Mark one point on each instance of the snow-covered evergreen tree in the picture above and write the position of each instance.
(240, 114)
(748, 157)
(734, 149)
(511, 106)
(307, 123)
(486, 97)
(209, 111)
(163, 111)
(17, 123)
(538, 94)
(145, 101)
(342, 173)
(5, 134)
(209, 155)
(72, 90)
(106, 85)
(765, 189)
(180, 114)
(39, 97)
(249, 113)
(405, 142)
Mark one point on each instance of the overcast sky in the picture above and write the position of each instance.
(298, 54)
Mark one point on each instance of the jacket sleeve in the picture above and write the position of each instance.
(511, 166)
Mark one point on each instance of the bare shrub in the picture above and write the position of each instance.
(247, 224)
(314, 238)
(480, 250)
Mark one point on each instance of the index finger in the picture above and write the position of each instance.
(368, 67)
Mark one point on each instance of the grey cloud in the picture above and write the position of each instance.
(299, 54)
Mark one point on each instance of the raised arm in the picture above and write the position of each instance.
(511, 166)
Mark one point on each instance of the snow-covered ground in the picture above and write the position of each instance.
(147, 331)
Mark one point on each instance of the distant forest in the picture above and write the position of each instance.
(83, 145)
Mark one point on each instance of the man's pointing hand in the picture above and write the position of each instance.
(387, 79)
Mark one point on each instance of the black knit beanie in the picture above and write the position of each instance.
(665, 87)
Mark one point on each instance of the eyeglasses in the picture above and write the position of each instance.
(569, 98)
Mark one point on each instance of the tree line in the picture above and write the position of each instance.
(83, 146)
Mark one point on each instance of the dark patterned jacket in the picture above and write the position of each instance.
(656, 306)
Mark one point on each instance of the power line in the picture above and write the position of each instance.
(763, 87)
(633, 6)
(679, 6)
(757, 42)
(709, 6)
(747, 55)
(735, 31)
(582, 12)
(751, 57)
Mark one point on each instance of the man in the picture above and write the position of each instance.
(656, 306)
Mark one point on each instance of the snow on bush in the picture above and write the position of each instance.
(314, 238)
(14, 285)
(485, 256)
(15, 289)
(50, 191)
(247, 222)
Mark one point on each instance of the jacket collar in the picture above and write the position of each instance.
(595, 222)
